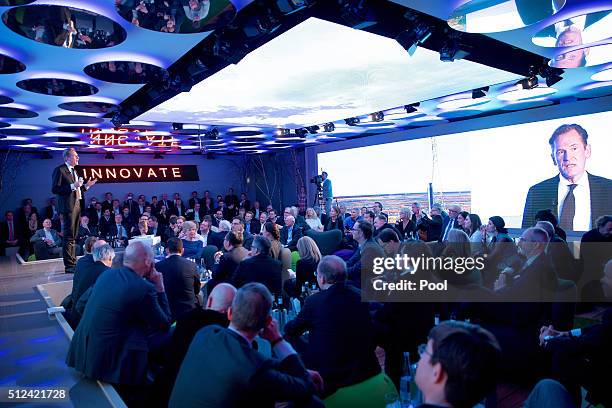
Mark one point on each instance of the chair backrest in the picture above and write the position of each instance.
(564, 307)
(208, 255)
(285, 258)
(327, 241)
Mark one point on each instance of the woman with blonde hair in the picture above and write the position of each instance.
(313, 220)
(310, 255)
(192, 246)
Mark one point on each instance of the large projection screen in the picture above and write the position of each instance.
(488, 171)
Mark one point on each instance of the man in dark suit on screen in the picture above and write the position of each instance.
(576, 197)
(70, 190)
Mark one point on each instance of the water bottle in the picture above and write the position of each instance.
(405, 381)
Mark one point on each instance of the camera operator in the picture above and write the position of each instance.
(327, 192)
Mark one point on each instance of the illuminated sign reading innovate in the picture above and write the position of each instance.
(140, 173)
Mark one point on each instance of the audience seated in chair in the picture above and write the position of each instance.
(46, 241)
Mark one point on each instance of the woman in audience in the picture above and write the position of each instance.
(313, 220)
(405, 225)
(501, 249)
(306, 266)
(272, 232)
(334, 220)
(226, 263)
(192, 246)
(461, 217)
(473, 226)
(143, 228)
(457, 245)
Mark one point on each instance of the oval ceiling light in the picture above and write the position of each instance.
(583, 57)
(57, 87)
(125, 72)
(477, 16)
(522, 94)
(582, 29)
(63, 26)
(9, 65)
(605, 75)
(460, 103)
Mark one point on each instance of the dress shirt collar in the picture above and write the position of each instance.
(241, 335)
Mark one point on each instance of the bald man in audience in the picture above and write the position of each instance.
(126, 313)
(219, 300)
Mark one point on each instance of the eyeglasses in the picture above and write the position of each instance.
(422, 349)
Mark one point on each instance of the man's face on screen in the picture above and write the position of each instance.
(570, 155)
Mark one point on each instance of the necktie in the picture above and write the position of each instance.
(10, 228)
(566, 221)
(76, 178)
(119, 231)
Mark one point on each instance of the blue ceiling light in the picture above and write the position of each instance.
(329, 127)
(377, 116)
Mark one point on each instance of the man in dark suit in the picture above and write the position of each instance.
(450, 222)
(247, 237)
(260, 267)
(576, 197)
(341, 342)
(194, 199)
(88, 270)
(363, 258)
(251, 225)
(238, 375)
(118, 229)
(108, 201)
(196, 213)
(181, 279)
(380, 223)
(95, 215)
(231, 198)
(51, 211)
(131, 204)
(124, 314)
(164, 201)
(104, 224)
(178, 208)
(217, 303)
(10, 235)
(85, 231)
(290, 233)
(70, 190)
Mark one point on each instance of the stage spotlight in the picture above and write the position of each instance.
(177, 126)
(282, 132)
(528, 83)
(329, 127)
(413, 37)
(480, 92)
(351, 121)
(412, 107)
(301, 132)
(551, 75)
(158, 156)
(109, 156)
(377, 116)
(312, 129)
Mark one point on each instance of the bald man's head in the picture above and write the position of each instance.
(138, 257)
(221, 297)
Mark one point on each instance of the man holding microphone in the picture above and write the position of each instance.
(70, 190)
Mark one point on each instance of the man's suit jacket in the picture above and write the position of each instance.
(236, 374)
(191, 214)
(193, 201)
(363, 258)
(216, 239)
(107, 205)
(447, 221)
(48, 212)
(86, 274)
(341, 343)
(104, 225)
(84, 233)
(182, 283)
(544, 195)
(175, 210)
(255, 227)
(260, 268)
(132, 205)
(110, 343)
(66, 198)
(536, 282)
(94, 219)
(297, 234)
(4, 232)
(40, 235)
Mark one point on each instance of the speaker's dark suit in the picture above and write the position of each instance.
(295, 236)
(260, 268)
(182, 283)
(341, 343)
(70, 206)
(544, 195)
(236, 374)
(110, 343)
